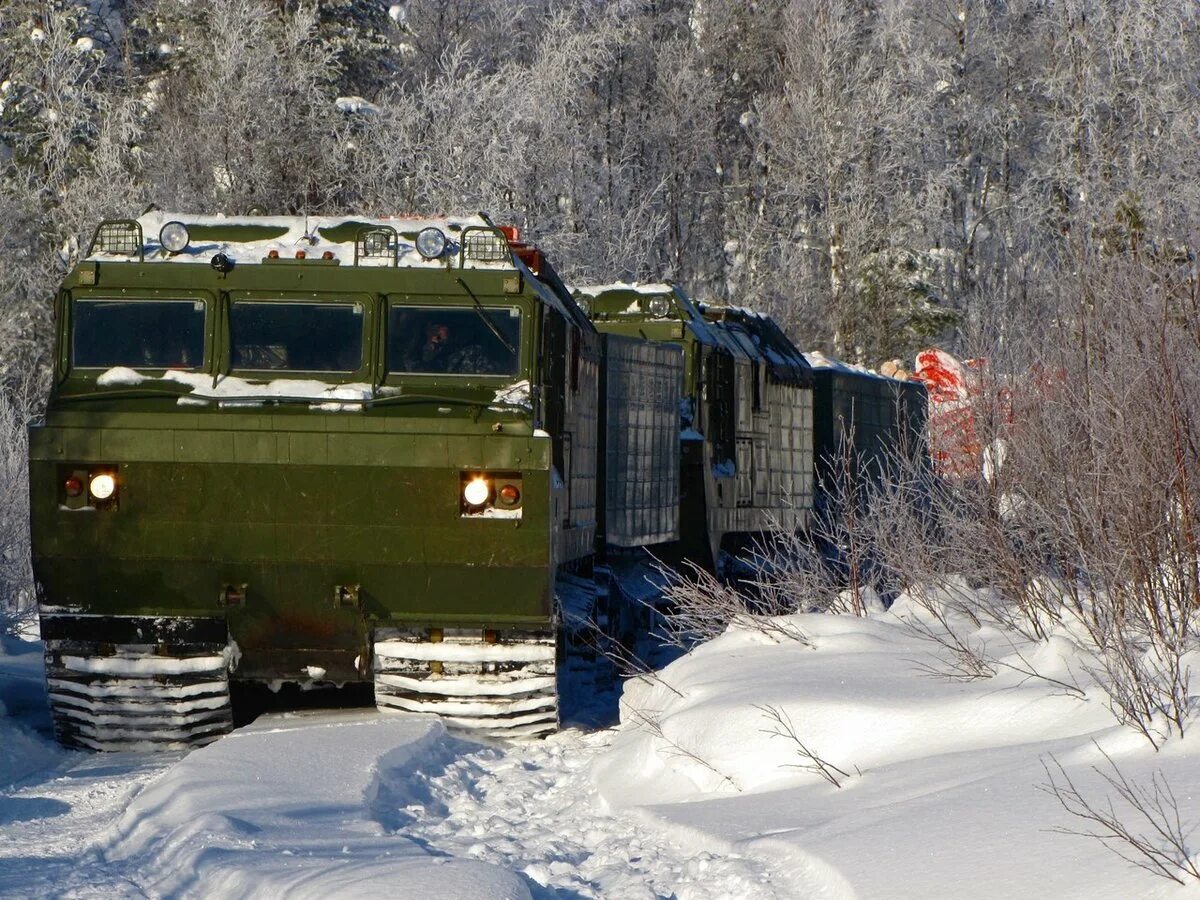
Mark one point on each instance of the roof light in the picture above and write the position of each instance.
(174, 237)
(300, 254)
(659, 306)
(431, 242)
(272, 254)
(328, 254)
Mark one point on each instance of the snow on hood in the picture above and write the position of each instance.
(515, 394)
(231, 390)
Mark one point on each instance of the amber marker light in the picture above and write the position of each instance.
(300, 254)
(102, 486)
(73, 486)
(328, 254)
(272, 254)
(476, 492)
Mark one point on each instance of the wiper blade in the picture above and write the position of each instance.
(122, 394)
(400, 399)
(280, 400)
(486, 321)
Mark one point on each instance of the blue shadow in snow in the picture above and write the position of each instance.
(29, 809)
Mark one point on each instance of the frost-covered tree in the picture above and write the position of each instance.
(246, 109)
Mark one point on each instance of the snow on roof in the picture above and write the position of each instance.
(315, 235)
(819, 360)
(593, 290)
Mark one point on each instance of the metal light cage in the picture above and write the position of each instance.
(377, 242)
(480, 244)
(120, 237)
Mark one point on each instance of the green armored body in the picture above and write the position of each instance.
(310, 450)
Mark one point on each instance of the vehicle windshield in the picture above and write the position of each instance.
(308, 337)
(140, 334)
(454, 340)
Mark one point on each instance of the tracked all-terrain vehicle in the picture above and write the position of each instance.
(321, 451)
(394, 452)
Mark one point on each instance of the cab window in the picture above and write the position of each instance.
(308, 337)
(454, 340)
(140, 334)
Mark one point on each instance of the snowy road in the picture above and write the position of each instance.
(345, 803)
(704, 791)
(533, 809)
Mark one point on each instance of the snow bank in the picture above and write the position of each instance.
(291, 808)
(938, 778)
(23, 750)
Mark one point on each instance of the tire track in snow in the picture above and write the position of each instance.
(52, 825)
(532, 808)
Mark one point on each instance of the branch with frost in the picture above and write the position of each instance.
(782, 727)
(698, 606)
(1148, 831)
(654, 725)
(625, 659)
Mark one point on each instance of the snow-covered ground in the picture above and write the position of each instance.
(699, 793)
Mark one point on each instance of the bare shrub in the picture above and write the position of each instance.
(1090, 524)
(1139, 822)
(698, 606)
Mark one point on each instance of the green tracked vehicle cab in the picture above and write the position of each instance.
(313, 450)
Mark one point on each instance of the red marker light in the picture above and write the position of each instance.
(300, 254)
(328, 254)
(73, 486)
(509, 494)
(272, 254)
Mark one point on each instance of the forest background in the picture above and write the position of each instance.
(989, 176)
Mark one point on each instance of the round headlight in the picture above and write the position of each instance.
(476, 492)
(174, 237)
(431, 242)
(102, 486)
(659, 306)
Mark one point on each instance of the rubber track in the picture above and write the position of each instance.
(137, 696)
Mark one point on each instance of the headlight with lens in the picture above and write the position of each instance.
(659, 306)
(102, 486)
(174, 237)
(431, 242)
(476, 492)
